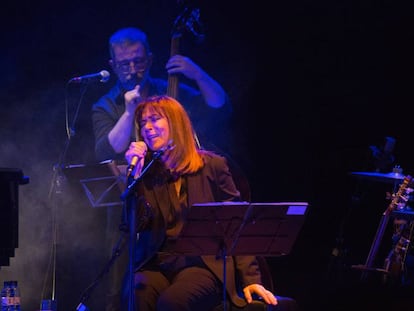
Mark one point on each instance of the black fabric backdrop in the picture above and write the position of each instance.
(313, 85)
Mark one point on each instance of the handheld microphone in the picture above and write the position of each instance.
(155, 155)
(132, 165)
(102, 76)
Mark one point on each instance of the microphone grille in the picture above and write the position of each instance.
(105, 76)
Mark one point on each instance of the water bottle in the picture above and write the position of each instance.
(15, 296)
(48, 305)
(6, 298)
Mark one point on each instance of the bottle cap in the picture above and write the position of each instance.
(48, 305)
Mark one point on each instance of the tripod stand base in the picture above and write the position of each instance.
(365, 268)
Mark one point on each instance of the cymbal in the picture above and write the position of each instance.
(391, 177)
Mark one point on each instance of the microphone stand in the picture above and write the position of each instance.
(130, 204)
(115, 254)
(55, 188)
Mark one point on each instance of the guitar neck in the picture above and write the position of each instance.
(377, 240)
(384, 221)
(172, 87)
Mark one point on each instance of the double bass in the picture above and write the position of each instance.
(189, 22)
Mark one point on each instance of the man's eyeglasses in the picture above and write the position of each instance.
(138, 63)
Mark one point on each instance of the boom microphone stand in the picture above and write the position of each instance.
(130, 205)
(56, 187)
(115, 254)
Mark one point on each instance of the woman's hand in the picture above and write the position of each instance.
(135, 156)
(262, 292)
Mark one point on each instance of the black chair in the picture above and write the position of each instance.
(256, 305)
(284, 303)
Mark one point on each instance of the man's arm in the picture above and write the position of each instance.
(212, 92)
(120, 135)
(104, 117)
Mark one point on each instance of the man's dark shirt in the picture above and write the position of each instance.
(110, 107)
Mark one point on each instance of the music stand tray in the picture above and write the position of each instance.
(241, 228)
(102, 182)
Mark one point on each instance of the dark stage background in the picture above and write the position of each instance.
(313, 84)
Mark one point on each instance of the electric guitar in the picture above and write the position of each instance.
(394, 263)
(398, 202)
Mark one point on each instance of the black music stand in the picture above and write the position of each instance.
(102, 182)
(240, 228)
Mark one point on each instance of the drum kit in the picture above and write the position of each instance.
(402, 215)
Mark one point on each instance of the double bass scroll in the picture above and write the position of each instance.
(187, 22)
